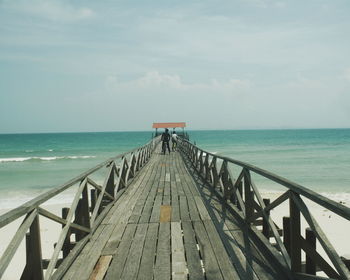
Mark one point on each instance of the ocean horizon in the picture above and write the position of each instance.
(32, 163)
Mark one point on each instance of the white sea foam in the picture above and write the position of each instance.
(14, 159)
(20, 159)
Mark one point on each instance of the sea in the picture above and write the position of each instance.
(319, 159)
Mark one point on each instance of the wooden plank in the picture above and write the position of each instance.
(66, 264)
(225, 264)
(136, 213)
(178, 262)
(180, 190)
(117, 264)
(156, 209)
(149, 251)
(142, 178)
(192, 253)
(203, 212)
(147, 209)
(175, 209)
(167, 188)
(173, 189)
(167, 177)
(192, 208)
(184, 209)
(101, 268)
(166, 200)
(80, 260)
(132, 263)
(91, 257)
(165, 214)
(162, 265)
(212, 270)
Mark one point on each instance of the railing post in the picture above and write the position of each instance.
(311, 240)
(34, 266)
(201, 164)
(93, 195)
(82, 215)
(85, 215)
(240, 190)
(66, 244)
(110, 183)
(214, 171)
(206, 168)
(224, 180)
(295, 246)
(286, 233)
(248, 195)
(265, 225)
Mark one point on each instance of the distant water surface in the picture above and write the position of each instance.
(33, 163)
(316, 158)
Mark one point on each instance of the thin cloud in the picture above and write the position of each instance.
(50, 10)
(155, 81)
(347, 74)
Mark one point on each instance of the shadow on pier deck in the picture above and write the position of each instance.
(165, 227)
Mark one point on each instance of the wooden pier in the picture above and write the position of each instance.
(177, 216)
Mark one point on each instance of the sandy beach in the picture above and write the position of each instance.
(335, 227)
(49, 235)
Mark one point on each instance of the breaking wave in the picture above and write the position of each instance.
(21, 159)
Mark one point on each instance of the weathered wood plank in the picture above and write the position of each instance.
(156, 209)
(166, 200)
(132, 263)
(184, 209)
(195, 270)
(162, 265)
(203, 212)
(212, 269)
(116, 267)
(149, 251)
(175, 209)
(178, 262)
(165, 213)
(101, 268)
(225, 264)
(192, 208)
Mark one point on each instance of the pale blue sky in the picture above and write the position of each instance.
(121, 65)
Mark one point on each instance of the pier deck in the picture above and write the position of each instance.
(164, 226)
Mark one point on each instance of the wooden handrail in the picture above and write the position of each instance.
(79, 219)
(247, 205)
(327, 203)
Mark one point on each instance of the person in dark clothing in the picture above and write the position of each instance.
(165, 141)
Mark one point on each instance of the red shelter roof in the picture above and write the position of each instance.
(169, 125)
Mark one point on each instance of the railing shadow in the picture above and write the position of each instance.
(240, 199)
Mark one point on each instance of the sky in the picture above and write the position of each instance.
(69, 66)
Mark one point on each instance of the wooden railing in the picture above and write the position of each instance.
(242, 197)
(90, 205)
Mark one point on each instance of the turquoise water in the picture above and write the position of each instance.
(33, 163)
(316, 158)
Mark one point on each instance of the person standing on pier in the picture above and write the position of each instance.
(165, 141)
(174, 141)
